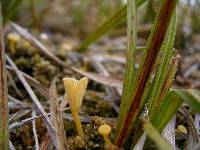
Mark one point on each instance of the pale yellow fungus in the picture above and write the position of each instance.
(75, 91)
(13, 38)
(105, 131)
(66, 46)
(26, 44)
(182, 129)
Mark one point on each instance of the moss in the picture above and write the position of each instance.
(96, 107)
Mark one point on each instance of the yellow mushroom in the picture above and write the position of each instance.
(13, 38)
(182, 129)
(75, 91)
(105, 131)
(26, 44)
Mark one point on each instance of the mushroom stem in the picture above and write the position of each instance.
(12, 46)
(106, 139)
(78, 124)
(104, 130)
(75, 91)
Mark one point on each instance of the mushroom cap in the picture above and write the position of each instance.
(182, 129)
(104, 129)
(75, 91)
(13, 37)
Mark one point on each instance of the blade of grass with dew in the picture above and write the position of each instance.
(155, 136)
(4, 134)
(167, 83)
(167, 50)
(113, 21)
(190, 96)
(137, 102)
(162, 101)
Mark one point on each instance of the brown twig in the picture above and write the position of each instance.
(34, 131)
(18, 115)
(11, 146)
(17, 103)
(43, 90)
(28, 121)
(84, 119)
(4, 134)
(56, 119)
(98, 66)
(36, 102)
(35, 43)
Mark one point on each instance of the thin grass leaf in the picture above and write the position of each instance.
(166, 111)
(4, 134)
(136, 103)
(167, 50)
(190, 96)
(171, 71)
(113, 21)
(130, 54)
(9, 8)
(155, 136)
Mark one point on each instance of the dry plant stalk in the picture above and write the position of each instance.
(37, 105)
(4, 135)
(56, 119)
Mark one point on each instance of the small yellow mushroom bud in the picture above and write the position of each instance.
(105, 131)
(26, 44)
(13, 38)
(182, 129)
(75, 91)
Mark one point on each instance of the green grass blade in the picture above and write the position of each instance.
(9, 8)
(190, 96)
(136, 103)
(130, 52)
(166, 111)
(166, 84)
(113, 21)
(167, 52)
(155, 136)
(171, 104)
